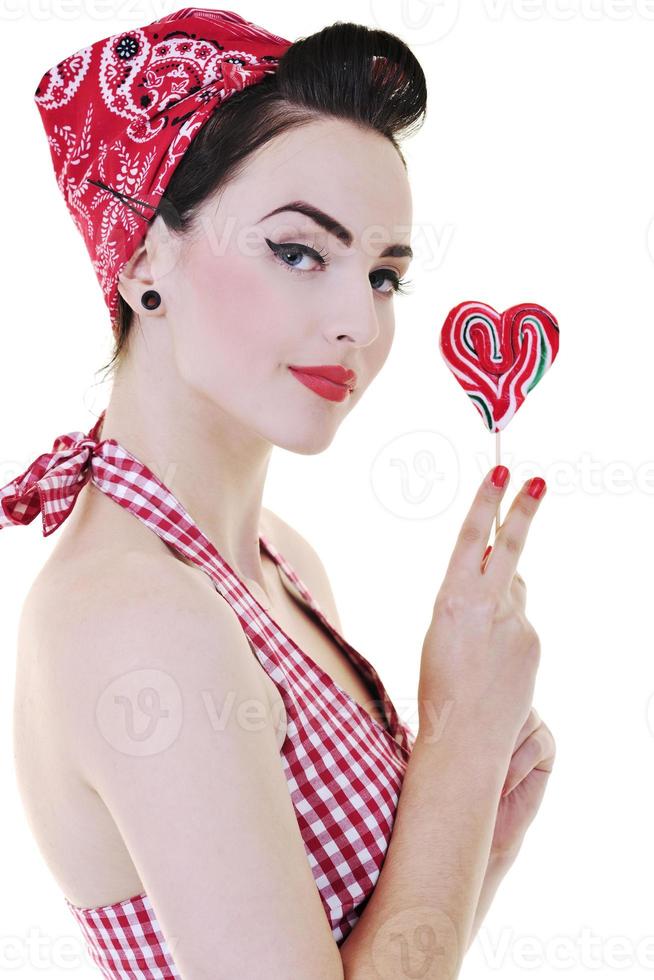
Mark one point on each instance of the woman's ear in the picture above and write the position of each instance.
(150, 264)
(135, 277)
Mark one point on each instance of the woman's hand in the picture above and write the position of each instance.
(481, 654)
(523, 791)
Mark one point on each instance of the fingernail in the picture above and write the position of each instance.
(499, 476)
(535, 487)
(487, 552)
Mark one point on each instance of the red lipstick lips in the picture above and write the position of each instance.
(332, 381)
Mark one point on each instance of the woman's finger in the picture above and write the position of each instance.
(468, 551)
(511, 536)
(537, 751)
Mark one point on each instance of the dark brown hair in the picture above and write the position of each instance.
(345, 71)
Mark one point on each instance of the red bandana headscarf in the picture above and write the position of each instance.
(120, 114)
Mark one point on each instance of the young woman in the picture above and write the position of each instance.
(241, 830)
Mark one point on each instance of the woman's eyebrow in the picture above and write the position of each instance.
(335, 228)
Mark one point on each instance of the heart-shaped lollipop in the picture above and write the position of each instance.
(497, 358)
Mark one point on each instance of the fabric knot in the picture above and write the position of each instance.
(52, 482)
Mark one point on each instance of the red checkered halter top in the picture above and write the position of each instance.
(343, 768)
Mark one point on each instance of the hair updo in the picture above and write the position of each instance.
(346, 71)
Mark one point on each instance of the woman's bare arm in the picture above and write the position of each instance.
(421, 913)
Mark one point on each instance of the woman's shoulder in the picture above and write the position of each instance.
(90, 593)
(306, 562)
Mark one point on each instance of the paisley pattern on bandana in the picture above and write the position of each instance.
(120, 115)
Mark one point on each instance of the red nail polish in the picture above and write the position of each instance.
(487, 552)
(499, 476)
(535, 487)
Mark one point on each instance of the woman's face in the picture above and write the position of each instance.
(244, 301)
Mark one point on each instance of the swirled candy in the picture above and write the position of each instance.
(497, 358)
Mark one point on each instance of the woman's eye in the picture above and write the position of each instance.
(387, 276)
(289, 255)
(289, 252)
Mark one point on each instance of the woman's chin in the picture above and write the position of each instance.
(308, 442)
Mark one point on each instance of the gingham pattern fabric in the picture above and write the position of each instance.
(51, 483)
(344, 769)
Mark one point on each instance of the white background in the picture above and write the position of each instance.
(533, 180)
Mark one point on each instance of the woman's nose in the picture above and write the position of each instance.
(356, 316)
